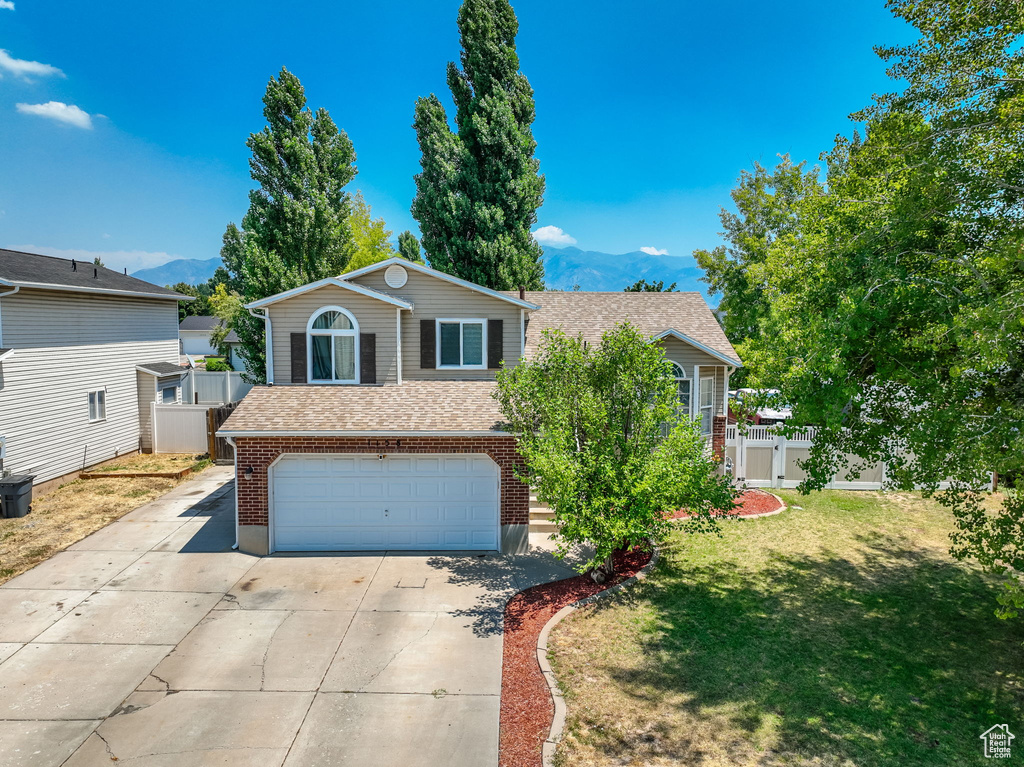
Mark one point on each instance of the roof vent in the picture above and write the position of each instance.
(74, 265)
(95, 271)
(396, 276)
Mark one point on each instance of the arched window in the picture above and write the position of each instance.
(684, 385)
(332, 336)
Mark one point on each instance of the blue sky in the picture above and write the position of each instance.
(646, 111)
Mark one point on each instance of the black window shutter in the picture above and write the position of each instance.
(368, 358)
(495, 345)
(428, 344)
(298, 358)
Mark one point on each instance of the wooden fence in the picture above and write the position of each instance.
(220, 449)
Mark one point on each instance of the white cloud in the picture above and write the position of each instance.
(6, 5)
(57, 110)
(654, 251)
(23, 68)
(552, 235)
(119, 260)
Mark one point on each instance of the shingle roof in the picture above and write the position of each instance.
(414, 407)
(205, 323)
(50, 272)
(161, 369)
(592, 313)
(199, 322)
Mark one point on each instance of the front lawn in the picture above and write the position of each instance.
(840, 634)
(153, 462)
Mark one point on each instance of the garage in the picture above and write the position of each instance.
(360, 502)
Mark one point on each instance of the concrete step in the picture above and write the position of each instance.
(543, 527)
(541, 514)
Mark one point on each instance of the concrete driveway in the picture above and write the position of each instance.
(151, 643)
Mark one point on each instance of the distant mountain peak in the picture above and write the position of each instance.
(188, 270)
(593, 270)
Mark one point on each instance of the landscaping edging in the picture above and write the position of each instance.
(137, 474)
(557, 701)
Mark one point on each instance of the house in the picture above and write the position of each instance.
(85, 350)
(194, 334)
(377, 429)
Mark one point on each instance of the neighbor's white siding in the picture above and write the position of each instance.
(67, 344)
(196, 342)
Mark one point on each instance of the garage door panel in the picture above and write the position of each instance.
(336, 503)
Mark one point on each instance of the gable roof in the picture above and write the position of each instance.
(33, 270)
(415, 408)
(684, 315)
(337, 281)
(512, 298)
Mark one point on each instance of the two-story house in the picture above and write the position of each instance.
(377, 429)
(84, 350)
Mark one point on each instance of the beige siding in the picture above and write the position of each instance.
(374, 316)
(146, 387)
(433, 298)
(689, 357)
(67, 344)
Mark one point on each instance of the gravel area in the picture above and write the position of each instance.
(526, 709)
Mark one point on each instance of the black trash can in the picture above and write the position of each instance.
(16, 495)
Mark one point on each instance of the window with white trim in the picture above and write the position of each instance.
(684, 385)
(462, 344)
(169, 395)
(333, 346)
(707, 404)
(97, 405)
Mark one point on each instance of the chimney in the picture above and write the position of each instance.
(74, 265)
(522, 292)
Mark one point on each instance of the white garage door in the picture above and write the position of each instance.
(362, 502)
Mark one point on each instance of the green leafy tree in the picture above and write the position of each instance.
(479, 189)
(297, 227)
(768, 207)
(199, 307)
(590, 423)
(98, 262)
(895, 307)
(370, 236)
(227, 308)
(409, 247)
(655, 286)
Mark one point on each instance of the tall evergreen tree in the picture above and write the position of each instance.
(297, 228)
(409, 247)
(479, 190)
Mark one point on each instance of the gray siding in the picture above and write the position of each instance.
(146, 387)
(433, 298)
(374, 316)
(65, 345)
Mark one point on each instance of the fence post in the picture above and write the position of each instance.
(780, 440)
(210, 438)
(152, 424)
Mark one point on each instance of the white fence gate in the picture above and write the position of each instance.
(204, 387)
(180, 428)
(762, 457)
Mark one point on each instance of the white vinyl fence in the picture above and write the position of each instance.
(180, 428)
(204, 387)
(762, 457)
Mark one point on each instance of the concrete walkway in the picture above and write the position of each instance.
(151, 643)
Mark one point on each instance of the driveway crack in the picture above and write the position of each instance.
(266, 652)
(110, 751)
(394, 657)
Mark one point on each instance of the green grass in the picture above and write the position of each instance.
(840, 634)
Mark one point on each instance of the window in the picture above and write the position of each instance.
(707, 404)
(684, 384)
(169, 395)
(333, 336)
(461, 343)
(98, 405)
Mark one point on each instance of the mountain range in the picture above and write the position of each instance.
(564, 268)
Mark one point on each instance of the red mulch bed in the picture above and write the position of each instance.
(750, 503)
(526, 708)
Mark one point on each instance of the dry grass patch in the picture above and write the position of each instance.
(153, 462)
(70, 513)
(837, 635)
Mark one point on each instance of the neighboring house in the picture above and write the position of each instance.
(378, 429)
(84, 350)
(194, 333)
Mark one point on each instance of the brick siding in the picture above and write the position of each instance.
(718, 437)
(260, 452)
